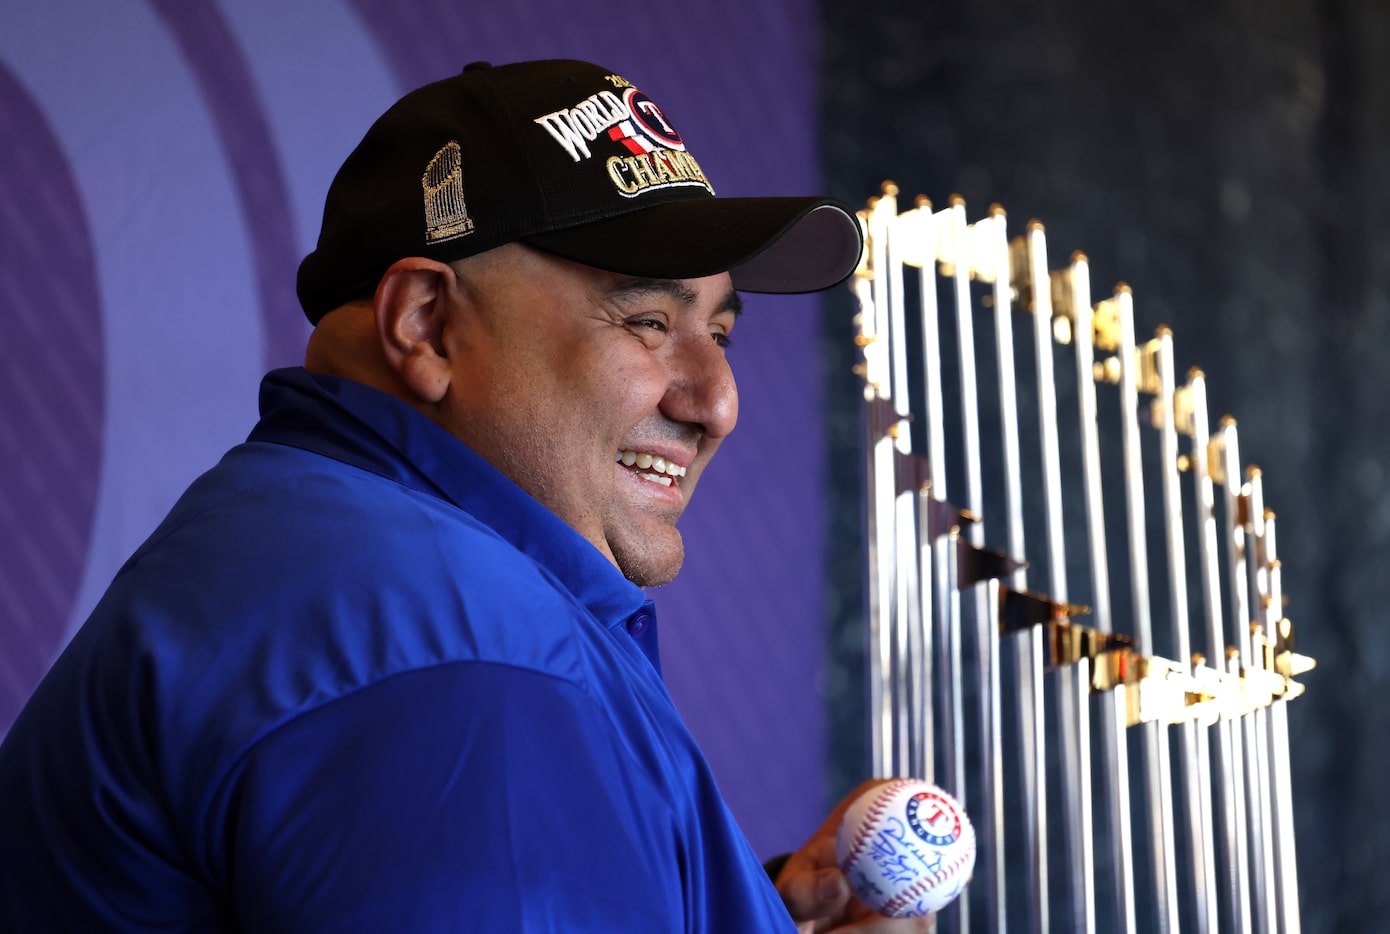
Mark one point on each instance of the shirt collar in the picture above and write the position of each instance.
(377, 432)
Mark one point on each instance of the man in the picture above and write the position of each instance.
(388, 666)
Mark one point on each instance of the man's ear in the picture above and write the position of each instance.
(412, 305)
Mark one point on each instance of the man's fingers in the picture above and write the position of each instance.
(811, 896)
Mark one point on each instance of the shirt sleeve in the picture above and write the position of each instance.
(468, 796)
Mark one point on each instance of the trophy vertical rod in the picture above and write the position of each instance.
(1072, 689)
(1073, 681)
(1286, 863)
(1195, 758)
(994, 243)
(924, 549)
(1232, 730)
(908, 705)
(1077, 688)
(1289, 920)
(957, 911)
(942, 590)
(906, 633)
(945, 618)
(870, 289)
(1213, 645)
(1029, 699)
(1256, 722)
(1155, 735)
(953, 763)
(995, 901)
(1075, 282)
(924, 733)
(882, 668)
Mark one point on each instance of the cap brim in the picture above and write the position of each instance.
(766, 244)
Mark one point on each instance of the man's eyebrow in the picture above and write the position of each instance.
(673, 288)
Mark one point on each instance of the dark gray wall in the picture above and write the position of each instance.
(1227, 160)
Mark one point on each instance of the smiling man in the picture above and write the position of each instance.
(388, 665)
(602, 395)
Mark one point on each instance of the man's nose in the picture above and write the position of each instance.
(702, 390)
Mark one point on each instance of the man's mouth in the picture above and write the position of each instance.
(651, 467)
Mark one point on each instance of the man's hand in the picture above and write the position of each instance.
(817, 893)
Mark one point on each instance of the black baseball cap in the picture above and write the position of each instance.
(570, 158)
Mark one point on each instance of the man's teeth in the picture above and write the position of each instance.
(651, 467)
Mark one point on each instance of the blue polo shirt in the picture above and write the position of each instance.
(357, 680)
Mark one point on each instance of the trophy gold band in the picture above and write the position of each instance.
(1142, 749)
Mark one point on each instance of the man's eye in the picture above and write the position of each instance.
(654, 324)
(722, 339)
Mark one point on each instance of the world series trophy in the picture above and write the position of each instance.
(1090, 716)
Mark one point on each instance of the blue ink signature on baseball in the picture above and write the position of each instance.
(898, 857)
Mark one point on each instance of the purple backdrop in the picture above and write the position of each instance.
(163, 171)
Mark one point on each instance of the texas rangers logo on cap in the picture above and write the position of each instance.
(657, 157)
(647, 127)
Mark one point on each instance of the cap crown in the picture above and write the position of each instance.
(490, 156)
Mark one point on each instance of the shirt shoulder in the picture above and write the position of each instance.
(284, 580)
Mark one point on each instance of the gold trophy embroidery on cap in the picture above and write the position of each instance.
(446, 214)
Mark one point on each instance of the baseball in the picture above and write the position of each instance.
(907, 848)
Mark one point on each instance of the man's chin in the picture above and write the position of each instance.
(650, 561)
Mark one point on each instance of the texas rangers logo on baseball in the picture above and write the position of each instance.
(657, 157)
(933, 819)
